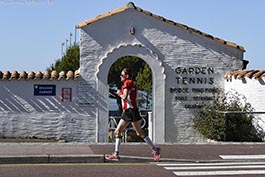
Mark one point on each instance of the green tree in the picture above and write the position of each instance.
(144, 82)
(134, 63)
(141, 74)
(213, 123)
(70, 61)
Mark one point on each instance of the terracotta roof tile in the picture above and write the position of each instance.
(76, 74)
(14, 75)
(259, 74)
(31, 75)
(240, 74)
(23, 75)
(131, 5)
(6, 75)
(38, 75)
(61, 75)
(54, 75)
(46, 75)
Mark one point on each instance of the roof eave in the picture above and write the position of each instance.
(102, 16)
(131, 5)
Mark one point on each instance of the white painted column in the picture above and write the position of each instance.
(150, 125)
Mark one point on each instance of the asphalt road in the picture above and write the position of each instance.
(84, 170)
(221, 169)
(194, 160)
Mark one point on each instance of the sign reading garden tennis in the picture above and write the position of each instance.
(194, 85)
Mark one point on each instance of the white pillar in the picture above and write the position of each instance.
(150, 125)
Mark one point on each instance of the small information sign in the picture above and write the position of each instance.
(44, 90)
(86, 93)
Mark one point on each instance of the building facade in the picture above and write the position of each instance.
(187, 65)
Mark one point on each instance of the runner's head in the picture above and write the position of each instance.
(125, 74)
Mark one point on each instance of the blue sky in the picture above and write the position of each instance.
(32, 31)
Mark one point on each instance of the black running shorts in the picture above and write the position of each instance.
(131, 115)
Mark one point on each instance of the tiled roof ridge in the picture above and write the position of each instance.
(240, 74)
(38, 75)
(131, 5)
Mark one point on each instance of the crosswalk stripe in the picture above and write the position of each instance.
(241, 157)
(215, 168)
(212, 173)
(211, 164)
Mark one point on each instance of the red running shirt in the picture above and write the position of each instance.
(130, 102)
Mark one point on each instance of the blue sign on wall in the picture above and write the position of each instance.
(44, 90)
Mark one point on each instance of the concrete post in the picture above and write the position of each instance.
(150, 125)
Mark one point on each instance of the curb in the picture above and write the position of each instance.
(100, 158)
(31, 159)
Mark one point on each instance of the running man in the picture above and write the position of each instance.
(130, 114)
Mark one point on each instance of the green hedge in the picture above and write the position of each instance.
(213, 124)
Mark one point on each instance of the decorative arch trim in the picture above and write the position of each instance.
(122, 46)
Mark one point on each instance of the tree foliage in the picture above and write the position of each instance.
(134, 63)
(213, 123)
(144, 79)
(142, 75)
(70, 61)
(144, 83)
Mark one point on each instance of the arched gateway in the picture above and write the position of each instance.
(187, 66)
(158, 83)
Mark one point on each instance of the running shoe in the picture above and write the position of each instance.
(112, 157)
(156, 153)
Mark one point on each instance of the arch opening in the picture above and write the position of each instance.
(142, 76)
(158, 91)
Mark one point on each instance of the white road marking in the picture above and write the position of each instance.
(242, 157)
(210, 164)
(215, 168)
(216, 173)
